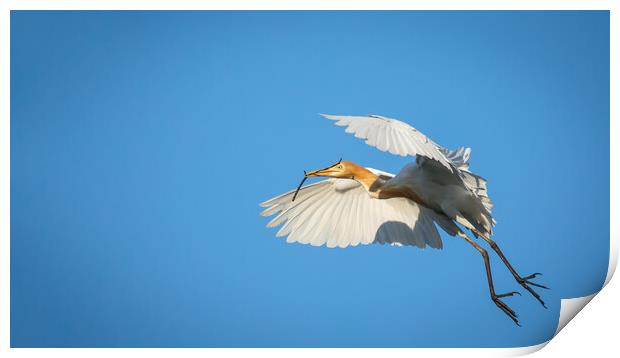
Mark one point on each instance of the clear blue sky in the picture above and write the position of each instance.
(142, 143)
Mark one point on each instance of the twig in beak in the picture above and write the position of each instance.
(300, 184)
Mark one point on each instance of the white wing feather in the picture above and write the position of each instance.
(391, 135)
(340, 213)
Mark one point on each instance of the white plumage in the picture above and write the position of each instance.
(358, 205)
(439, 176)
(391, 135)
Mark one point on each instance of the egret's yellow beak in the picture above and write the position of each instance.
(325, 172)
(319, 173)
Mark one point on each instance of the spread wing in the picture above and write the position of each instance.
(392, 135)
(339, 212)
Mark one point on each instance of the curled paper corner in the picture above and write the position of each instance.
(613, 259)
(569, 307)
(523, 351)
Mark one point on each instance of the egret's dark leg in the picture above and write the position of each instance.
(523, 281)
(495, 297)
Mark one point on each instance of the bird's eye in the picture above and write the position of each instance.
(340, 167)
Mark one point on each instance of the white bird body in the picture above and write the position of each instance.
(442, 192)
(357, 205)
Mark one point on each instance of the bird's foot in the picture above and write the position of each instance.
(504, 307)
(525, 282)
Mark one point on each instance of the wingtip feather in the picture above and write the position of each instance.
(329, 116)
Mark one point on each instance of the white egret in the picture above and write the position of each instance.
(358, 205)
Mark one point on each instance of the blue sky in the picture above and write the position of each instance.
(142, 143)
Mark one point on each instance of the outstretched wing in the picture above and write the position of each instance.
(339, 212)
(392, 135)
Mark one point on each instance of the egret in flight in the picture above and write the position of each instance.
(357, 205)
